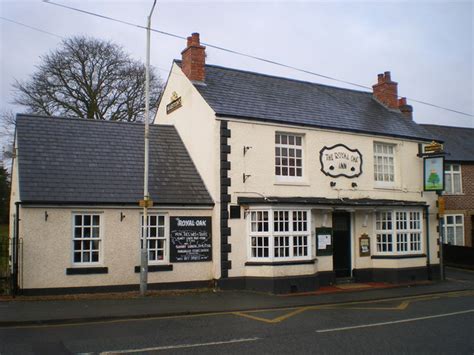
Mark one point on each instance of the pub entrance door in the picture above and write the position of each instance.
(341, 224)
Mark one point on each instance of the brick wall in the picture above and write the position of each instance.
(464, 203)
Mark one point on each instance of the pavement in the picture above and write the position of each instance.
(33, 311)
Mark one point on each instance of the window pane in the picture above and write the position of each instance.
(87, 220)
(78, 220)
(96, 220)
(457, 183)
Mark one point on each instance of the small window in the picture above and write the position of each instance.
(452, 176)
(454, 229)
(86, 239)
(384, 163)
(157, 239)
(288, 155)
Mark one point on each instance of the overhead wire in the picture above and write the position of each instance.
(265, 60)
(31, 27)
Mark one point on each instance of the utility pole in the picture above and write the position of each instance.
(146, 195)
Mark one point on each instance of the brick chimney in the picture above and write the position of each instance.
(406, 110)
(194, 59)
(386, 91)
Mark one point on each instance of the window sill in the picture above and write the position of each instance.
(86, 270)
(280, 263)
(387, 187)
(453, 194)
(399, 256)
(291, 182)
(156, 268)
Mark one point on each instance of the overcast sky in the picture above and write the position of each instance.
(427, 45)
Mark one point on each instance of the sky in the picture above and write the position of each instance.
(427, 45)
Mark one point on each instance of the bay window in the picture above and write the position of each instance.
(277, 234)
(398, 232)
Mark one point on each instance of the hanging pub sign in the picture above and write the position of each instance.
(190, 239)
(174, 104)
(433, 173)
(323, 241)
(340, 160)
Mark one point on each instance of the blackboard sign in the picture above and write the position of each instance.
(190, 239)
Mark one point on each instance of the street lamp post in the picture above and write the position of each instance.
(146, 196)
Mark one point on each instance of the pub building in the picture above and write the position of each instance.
(258, 182)
(311, 183)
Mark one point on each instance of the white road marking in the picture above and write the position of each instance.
(179, 346)
(394, 322)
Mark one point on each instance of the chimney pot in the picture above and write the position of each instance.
(194, 59)
(386, 91)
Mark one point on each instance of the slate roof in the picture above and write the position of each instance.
(67, 160)
(238, 93)
(359, 202)
(458, 141)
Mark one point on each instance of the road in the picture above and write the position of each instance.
(440, 323)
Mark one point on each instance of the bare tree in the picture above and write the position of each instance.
(88, 77)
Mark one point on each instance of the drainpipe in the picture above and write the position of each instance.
(427, 223)
(15, 244)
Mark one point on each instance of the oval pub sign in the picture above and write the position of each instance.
(340, 160)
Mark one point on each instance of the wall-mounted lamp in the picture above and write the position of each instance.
(246, 149)
(332, 183)
(325, 219)
(122, 216)
(245, 177)
(366, 220)
(46, 215)
(246, 212)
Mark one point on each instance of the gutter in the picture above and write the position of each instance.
(427, 223)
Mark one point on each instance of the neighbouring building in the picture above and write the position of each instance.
(459, 183)
(76, 186)
(310, 182)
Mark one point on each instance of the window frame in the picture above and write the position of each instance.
(375, 155)
(409, 231)
(166, 238)
(272, 235)
(100, 239)
(288, 178)
(452, 174)
(454, 225)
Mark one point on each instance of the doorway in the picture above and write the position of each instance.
(341, 224)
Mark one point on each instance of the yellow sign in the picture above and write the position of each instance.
(434, 147)
(441, 205)
(145, 203)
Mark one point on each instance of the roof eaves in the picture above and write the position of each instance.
(269, 120)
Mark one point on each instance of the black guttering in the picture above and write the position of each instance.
(225, 182)
(329, 201)
(298, 124)
(108, 204)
